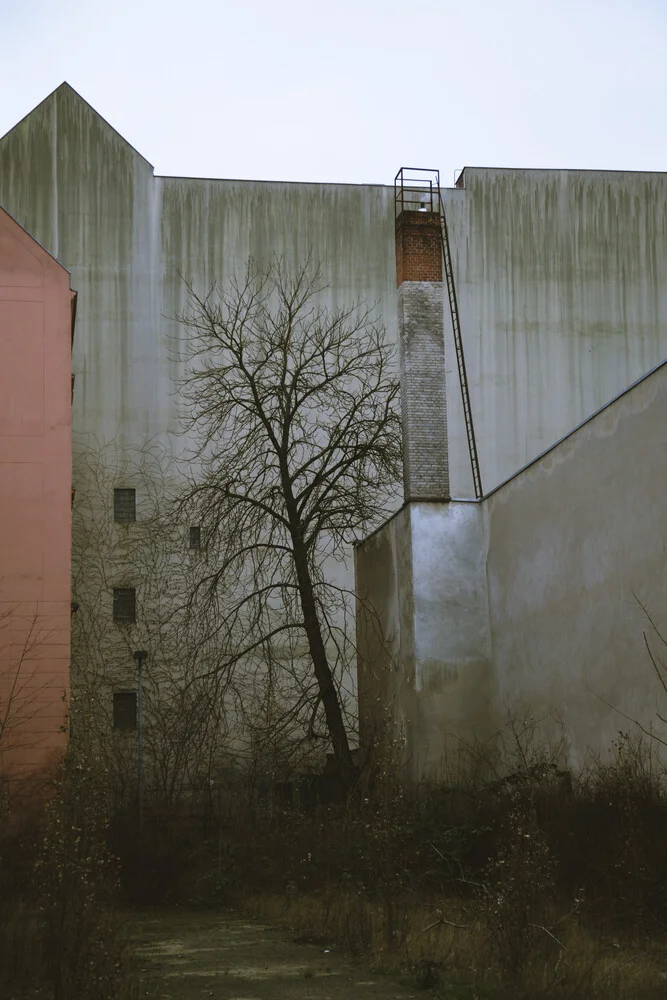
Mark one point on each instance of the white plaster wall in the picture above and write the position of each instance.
(530, 602)
(574, 542)
(453, 678)
(385, 632)
(423, 632)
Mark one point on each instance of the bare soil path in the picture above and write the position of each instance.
(191, 955)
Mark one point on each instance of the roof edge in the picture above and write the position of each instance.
(67, 86)
(587, 420)
(36, 241)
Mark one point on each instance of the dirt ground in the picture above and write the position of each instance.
(186, 955)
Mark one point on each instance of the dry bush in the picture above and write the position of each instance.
(60, 931)
(85, 950)
(533, 884)
(517, 896)
(614, 840)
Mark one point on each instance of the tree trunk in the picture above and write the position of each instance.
(328, 693)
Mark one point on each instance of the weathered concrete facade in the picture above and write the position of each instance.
(36, 325)
(561, 275)
(423, 637)
(561, 279)
(528, 601)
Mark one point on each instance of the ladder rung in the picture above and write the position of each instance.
(458, 347)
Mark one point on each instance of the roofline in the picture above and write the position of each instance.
(524, 468)
(561, 170)
(587, 420)
(88, 105)
(40, 245)
(456, 186)
(259, 180)
(460, 178)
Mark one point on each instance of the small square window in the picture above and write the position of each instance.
(124, 605)
(195, 537)
(124, 506)
(125, 710)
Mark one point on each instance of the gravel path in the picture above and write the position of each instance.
(186, 955)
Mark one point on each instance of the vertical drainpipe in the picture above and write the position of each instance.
(422, 356)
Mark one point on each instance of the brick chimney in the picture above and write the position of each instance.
(422, 356)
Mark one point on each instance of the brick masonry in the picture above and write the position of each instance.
(418, 247)
(423, 399)
(422, 357)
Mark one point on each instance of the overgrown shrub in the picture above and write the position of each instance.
(85, 950)
(517, 894)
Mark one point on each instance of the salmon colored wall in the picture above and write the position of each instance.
(35, 501)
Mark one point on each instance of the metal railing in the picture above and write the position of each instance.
(416, 190)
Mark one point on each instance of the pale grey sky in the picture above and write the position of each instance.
(353, 89)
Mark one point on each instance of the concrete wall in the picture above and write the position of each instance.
(386, 637)
(529, 601)
(562, 284)
(35, 484)
(127, 236)
(423, 638)
(574, 543)
(561, 275)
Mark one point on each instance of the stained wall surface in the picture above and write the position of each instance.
(36, 306)
(423, 634)
(562, 283)
(535, 603)
(561, 275)
(386, 637)
(577, 549)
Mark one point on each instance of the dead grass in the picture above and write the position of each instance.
(445, 949)
(530, 886)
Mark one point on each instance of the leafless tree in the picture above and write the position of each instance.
(20, 688)
(294, 411)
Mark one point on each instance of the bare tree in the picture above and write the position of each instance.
(294, 408)
(20, 688)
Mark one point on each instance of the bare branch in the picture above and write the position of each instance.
(298, 446)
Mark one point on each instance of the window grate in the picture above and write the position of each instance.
(124, 506)
(125, 710)
(195, 537)
(124, 605)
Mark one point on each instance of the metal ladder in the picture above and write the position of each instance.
(458, 347)
(415, 189)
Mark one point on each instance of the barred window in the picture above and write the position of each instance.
(125, 710)
(195, 537)
(124, 506)
(124, 605)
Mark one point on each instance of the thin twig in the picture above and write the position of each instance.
(547, 931)
(450, 923)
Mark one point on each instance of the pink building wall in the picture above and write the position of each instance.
(36, 325)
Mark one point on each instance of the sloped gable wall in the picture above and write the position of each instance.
(577, 543)
(35, 482)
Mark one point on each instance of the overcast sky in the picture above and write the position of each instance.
(351, 90)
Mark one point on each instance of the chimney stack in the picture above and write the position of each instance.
(422, 356)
